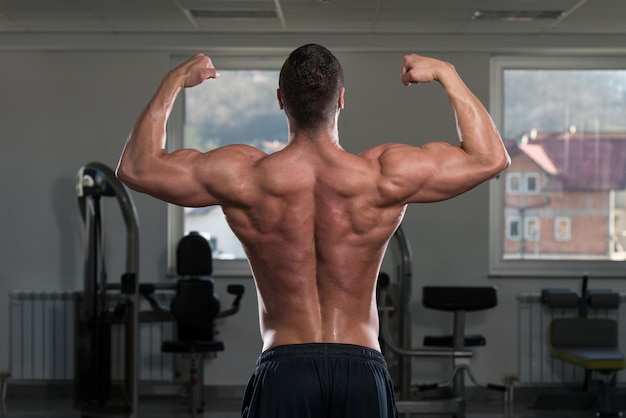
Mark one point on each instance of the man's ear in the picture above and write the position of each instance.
(280, 100)
(341, 103)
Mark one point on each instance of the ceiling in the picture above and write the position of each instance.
(598, 17)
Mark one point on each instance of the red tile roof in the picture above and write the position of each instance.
(579, 161)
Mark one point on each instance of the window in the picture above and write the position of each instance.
(531, 229)
(562, 122)
(513, 230)
(513, 183)
(517, 183)
(531, 183)
(238, 107)
(562, 226)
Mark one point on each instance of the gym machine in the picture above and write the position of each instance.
(589, 342)
(101, 305)
(408, 403)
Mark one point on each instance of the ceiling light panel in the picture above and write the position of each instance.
(517, 15)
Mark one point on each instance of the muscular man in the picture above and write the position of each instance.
(315, 222)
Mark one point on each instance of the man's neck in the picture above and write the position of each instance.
(326, 133)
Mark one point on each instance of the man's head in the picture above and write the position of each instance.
(310, 83)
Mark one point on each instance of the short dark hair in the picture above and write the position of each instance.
(310, 81)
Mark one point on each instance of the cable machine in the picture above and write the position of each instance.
(401, 345)
(101, 305)
(405, 277)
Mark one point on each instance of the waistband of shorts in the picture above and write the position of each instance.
(321, 350)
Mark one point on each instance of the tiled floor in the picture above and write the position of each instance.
(171, 407)
(55, 401)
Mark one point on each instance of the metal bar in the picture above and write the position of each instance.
(406, 278)
(414, 352)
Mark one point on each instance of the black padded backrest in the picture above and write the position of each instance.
(455, 298)
(583, 332)
(194, 308)
(194, 256)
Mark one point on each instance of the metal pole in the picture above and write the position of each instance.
(406, 286)
(97, 179)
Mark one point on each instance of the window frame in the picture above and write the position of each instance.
(271, 60)
(498, 265)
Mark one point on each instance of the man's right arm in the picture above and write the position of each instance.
(186, 177)
(439, 171)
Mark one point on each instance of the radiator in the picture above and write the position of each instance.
(42, 339)
(535, 364)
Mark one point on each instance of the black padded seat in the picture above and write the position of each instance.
(448, 341)
(459, 299)
(192, 346)
(194, 307)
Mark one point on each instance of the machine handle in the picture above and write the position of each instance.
(237, 290)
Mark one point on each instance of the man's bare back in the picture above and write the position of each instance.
(315, 220)
(315, 231)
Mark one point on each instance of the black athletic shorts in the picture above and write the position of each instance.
(320, 381)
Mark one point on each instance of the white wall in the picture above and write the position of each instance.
(66, 101)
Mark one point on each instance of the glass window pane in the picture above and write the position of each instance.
(562, 228)
(240, 107)
(532, 182)
(513, 183)
(531, 232)
(513, 228)
(566, 133)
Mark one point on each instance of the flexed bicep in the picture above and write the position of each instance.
(191, 178)
(435, 172)
(144, 165)
(172, 177)
(439, 171)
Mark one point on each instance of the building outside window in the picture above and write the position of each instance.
(563, 124)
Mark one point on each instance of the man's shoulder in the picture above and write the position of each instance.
(237, 152)
(376, 151)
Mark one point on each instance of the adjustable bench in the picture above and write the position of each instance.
(589, 343)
